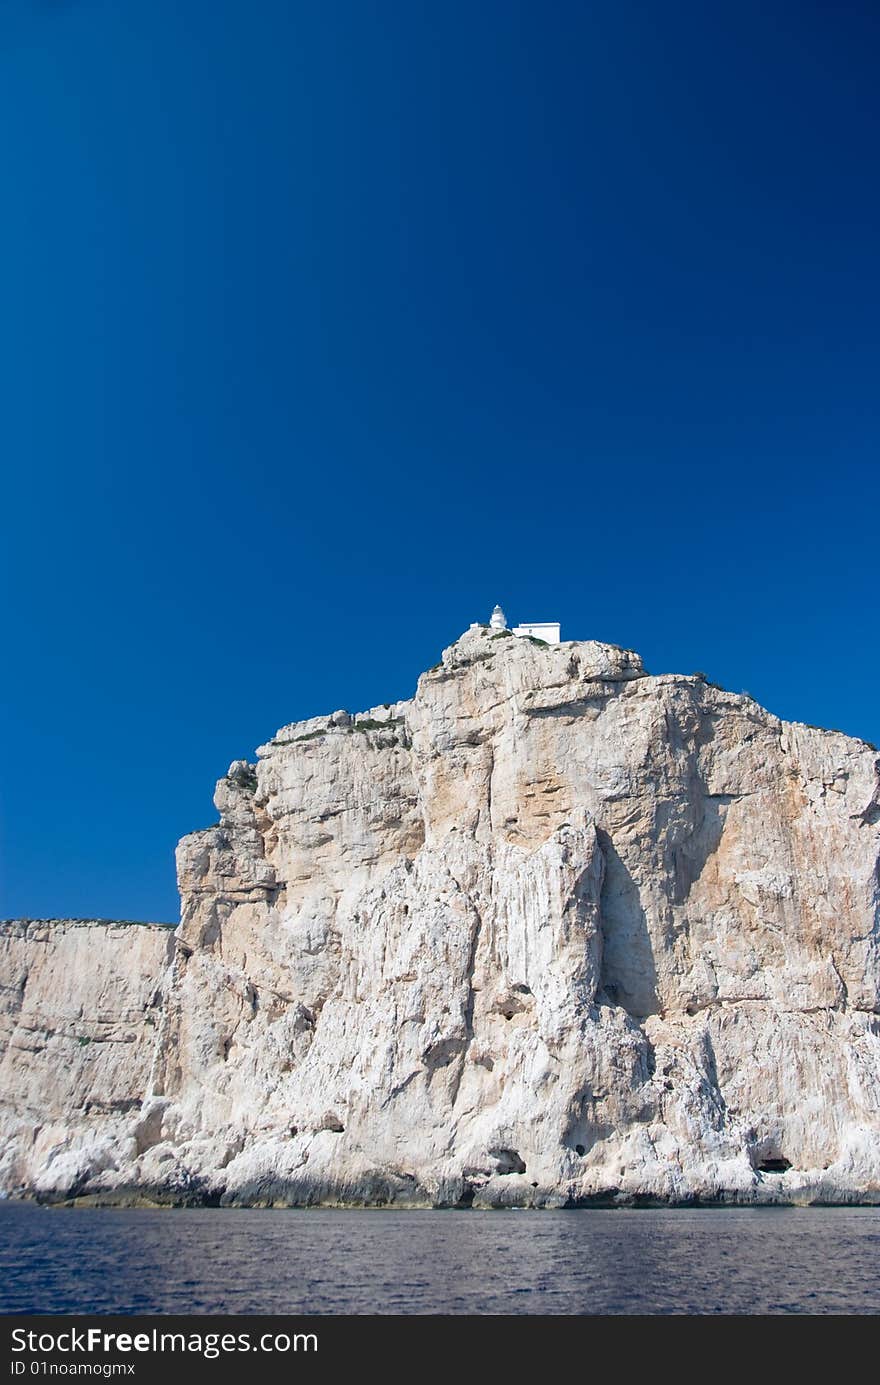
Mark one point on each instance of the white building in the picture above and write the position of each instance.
(546, 630)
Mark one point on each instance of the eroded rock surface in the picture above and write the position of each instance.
(81, 1004)
(553, 931)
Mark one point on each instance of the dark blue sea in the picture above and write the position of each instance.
(811, 1260)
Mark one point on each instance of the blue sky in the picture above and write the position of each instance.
(327, 325)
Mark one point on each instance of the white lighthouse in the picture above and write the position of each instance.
(546, 630)
(498, 620)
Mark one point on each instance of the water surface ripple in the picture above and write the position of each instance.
(742, 1260)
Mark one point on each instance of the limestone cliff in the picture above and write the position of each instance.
(552, 932)
(80, 1008)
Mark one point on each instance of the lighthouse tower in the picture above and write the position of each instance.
(498, 620)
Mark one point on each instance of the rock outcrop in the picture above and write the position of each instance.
(553, 932)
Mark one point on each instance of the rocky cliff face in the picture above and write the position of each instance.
(80, 1007)
(552, 932)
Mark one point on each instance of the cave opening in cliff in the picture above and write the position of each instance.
(773, 1166)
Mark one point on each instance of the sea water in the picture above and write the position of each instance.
(741, 1260)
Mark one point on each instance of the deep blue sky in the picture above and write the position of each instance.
(327, 325)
